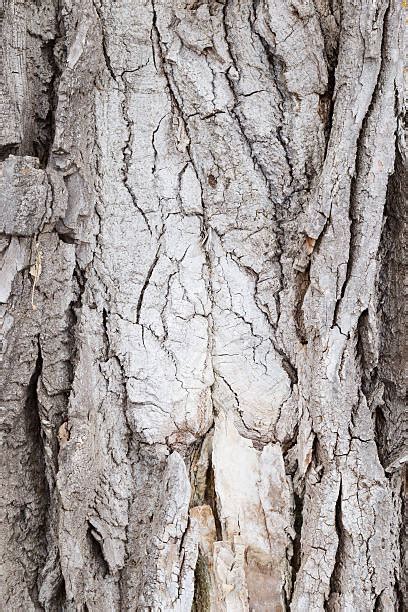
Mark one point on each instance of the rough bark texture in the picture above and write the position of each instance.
(204, 281)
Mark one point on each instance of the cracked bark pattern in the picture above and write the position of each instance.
(203, 284)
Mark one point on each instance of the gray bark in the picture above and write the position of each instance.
(204, 272)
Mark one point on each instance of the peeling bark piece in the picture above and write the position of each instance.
(254, 505)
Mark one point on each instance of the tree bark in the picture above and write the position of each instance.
(204, 267)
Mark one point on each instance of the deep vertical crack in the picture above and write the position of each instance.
(37, 466)
(146, 284)
(127, 152)
(335, 578)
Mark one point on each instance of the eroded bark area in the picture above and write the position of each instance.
(203, 286)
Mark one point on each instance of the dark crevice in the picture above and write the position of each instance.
(106, 57)
(60, 596)
(35, 109)
(297, 542)
(401, 582)
(105, 331)
(393, 296)
(335, 578)
(289, 368)
(380, 429)
(146, 284)
(202, 582)
(96, 549)
(392, 289)
(210, 498)
(7, 150)
(364, 354)
(377, 603)
(317, 459)
(327, 100)
(79, 283)
(37, 469)
(326, 108)
(79, 280)
(39, 139)
(44, 147)
(202, 586)
(302, 282)
(66, 238)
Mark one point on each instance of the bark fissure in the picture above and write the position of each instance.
(335, 578)
(36, 461)
(127, 152)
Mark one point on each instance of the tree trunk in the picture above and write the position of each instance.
(204, 266)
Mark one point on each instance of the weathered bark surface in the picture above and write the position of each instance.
(203, 294)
